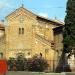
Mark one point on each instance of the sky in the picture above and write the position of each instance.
(48, 8)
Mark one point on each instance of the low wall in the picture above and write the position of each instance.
(70, 73)
(37, 73)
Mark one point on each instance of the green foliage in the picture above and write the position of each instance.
(11, 62)
(22, 64)
(38, 64)
(18, 64)
(69, 30)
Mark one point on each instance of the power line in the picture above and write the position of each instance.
(59, 7)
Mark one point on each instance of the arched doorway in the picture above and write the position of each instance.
(21, 55)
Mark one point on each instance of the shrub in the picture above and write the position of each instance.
(21, 63)
(38, 64)
(18, 64)
(11, 64)
(35, 63)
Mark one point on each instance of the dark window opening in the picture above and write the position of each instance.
(21, 30)
(1, 55)
(28, 53)
(41, 54)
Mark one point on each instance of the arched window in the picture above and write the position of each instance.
(20, 55)
(21, 30)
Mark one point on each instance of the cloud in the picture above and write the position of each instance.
(43, 14)
(4, 4)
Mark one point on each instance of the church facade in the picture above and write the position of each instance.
(29, 34)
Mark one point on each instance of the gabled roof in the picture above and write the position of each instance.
(21, 8)
(56, 22)
(47, 19)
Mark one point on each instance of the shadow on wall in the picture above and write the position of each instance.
(63, 65)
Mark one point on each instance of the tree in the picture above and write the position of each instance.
(69, 30)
